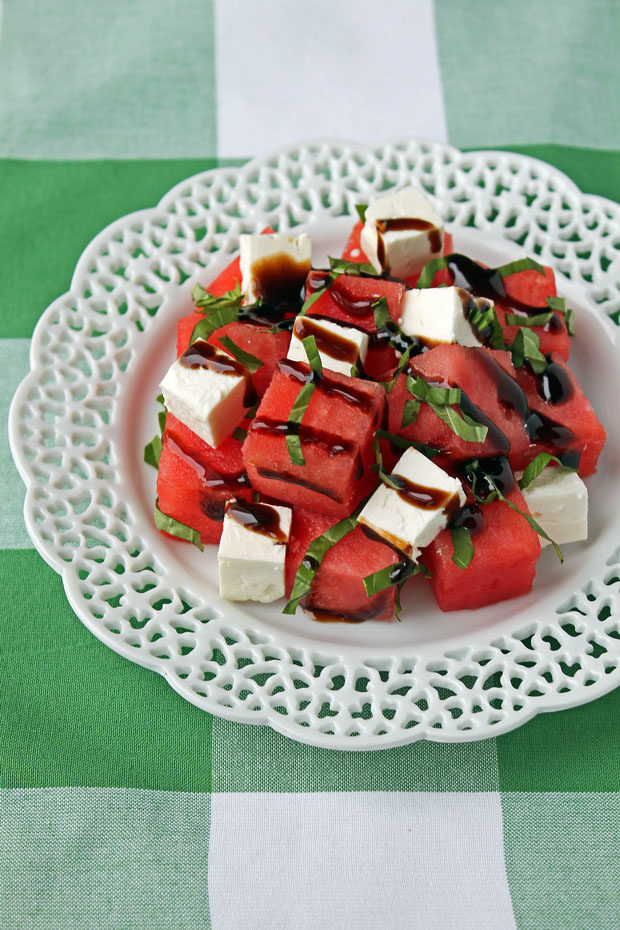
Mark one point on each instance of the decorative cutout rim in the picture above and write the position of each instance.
(66, 416)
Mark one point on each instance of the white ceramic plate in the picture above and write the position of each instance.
(80, 419)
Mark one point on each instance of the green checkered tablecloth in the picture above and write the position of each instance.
(122, 805)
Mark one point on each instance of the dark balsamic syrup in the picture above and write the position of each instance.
(259, 518)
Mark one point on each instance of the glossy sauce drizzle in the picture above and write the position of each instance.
(402, 223)
(328, 342)
(201, 354)
(259, 518)
(278, 279)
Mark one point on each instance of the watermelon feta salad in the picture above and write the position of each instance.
(404, 411)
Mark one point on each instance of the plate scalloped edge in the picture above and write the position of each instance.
(63, 439)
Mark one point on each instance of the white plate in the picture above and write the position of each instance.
(80, 419)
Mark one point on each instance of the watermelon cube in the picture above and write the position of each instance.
(337, 591)
(195, 480)
(485, 377)
(504, 564)
(568, 424)
(336, 435)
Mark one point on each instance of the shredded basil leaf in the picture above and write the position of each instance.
(537, 465)
(427, 275)
(152, 451)
(522, 264)
(381, 313)
(539, 319)
(250, 361)
(559, 305)
(462, 545)
(355, 269)
(240, 434)
(403, 443)
(410, 412)
(175, 528)
(482, 317)
(315, 553)
(431, 394)
(378, 467)
(208, 302)
(293, 442)
(526, 347)
(313, 355)
(442, 402)
(393, 574)
(361, 211)
(216, 318)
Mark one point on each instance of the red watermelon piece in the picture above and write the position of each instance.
(553, 336)
(506, 549)
(486, 377)
(195, 480)
(336, 436)
(337, 590)
(577, 426)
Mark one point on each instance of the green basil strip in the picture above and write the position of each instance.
(381, 313)
(174, 528)
(361, 211)
(250, 361)
(393, 574)
(403, 443)
(462, 545)
(522, 264)
(559, 305)
(539, 319)
(161, 419)
(526, 347)
(240, 434)
(315, 553)
(160, 398)
(216, 318)
(355, 269)
(378, 467)
(410, 412)
(313, 355)
(402, 364)
(207, 302)
(464, 426)
(427, 275)
(251, 411)
(431, 394)
(293, 442)
(537, 465)
(152, 451)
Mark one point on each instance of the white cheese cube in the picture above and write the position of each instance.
(252, 551)
(342, 348)
(438, 314)
(206, 390)
(278, 257)
(401, 232)
(558, 500)
(411, 518)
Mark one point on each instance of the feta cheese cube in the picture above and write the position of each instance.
(401, 232)
(342, 348)
(438, 314)
(274, 266)
(411, 517)
(252, 551)
(208, 391)
(558, 500)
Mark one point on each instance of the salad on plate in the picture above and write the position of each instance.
(405, 416)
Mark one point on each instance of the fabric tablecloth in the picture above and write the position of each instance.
(122, 805)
